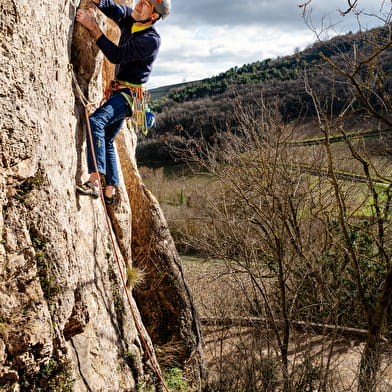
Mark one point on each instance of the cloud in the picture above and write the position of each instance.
(205, 37)
(233, 13)
(283, 13)
(184, 57)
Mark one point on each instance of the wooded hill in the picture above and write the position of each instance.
(208, 106)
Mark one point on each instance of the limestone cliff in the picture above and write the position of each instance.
(65, 324)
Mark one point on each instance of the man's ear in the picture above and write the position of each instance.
(155, 16)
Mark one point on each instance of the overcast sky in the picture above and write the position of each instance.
(205, 37)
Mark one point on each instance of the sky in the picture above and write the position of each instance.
(203, 38)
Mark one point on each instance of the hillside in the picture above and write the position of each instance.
(210, 105)
(163, 91)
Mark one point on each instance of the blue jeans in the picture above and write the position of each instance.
(105, 124)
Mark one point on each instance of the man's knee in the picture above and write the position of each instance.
(97, 123)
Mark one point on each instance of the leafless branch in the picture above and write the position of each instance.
(351, 7)
(304, 5)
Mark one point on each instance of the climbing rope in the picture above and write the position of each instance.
(86, 104)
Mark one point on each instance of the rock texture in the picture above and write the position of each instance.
(164, 299)
(65, 324)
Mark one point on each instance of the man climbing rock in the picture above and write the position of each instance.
(134, 55)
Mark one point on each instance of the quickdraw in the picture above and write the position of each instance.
(138, 99)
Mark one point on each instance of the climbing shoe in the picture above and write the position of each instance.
(88, 189)
(109, 200)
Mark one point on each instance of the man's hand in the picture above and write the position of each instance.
(87, 19)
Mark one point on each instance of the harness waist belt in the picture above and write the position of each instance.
(124, 83)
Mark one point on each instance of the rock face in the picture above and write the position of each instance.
(65, 321)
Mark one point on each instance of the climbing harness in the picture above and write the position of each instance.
(86, 104)
(137, 98)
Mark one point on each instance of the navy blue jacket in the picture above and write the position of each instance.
(135, 53)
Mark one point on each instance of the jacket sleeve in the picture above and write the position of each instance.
(139, 49)
(114, 11)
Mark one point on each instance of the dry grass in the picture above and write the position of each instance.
(135, 277)
(183, 194)
(247, 358)
(180, 194)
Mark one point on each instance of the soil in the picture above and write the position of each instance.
(245, 357)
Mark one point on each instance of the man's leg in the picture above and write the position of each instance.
(108, 116)
(112, 177)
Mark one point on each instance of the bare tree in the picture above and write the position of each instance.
(313, 247)
(367, 79)
(266, 221)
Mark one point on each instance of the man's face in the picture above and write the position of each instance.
(142, 10)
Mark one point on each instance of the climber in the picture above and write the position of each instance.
(134, 55)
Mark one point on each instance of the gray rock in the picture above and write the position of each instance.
(64, 315)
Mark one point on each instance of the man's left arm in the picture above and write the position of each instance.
(139, 49)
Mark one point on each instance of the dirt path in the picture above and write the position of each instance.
(246, 357)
